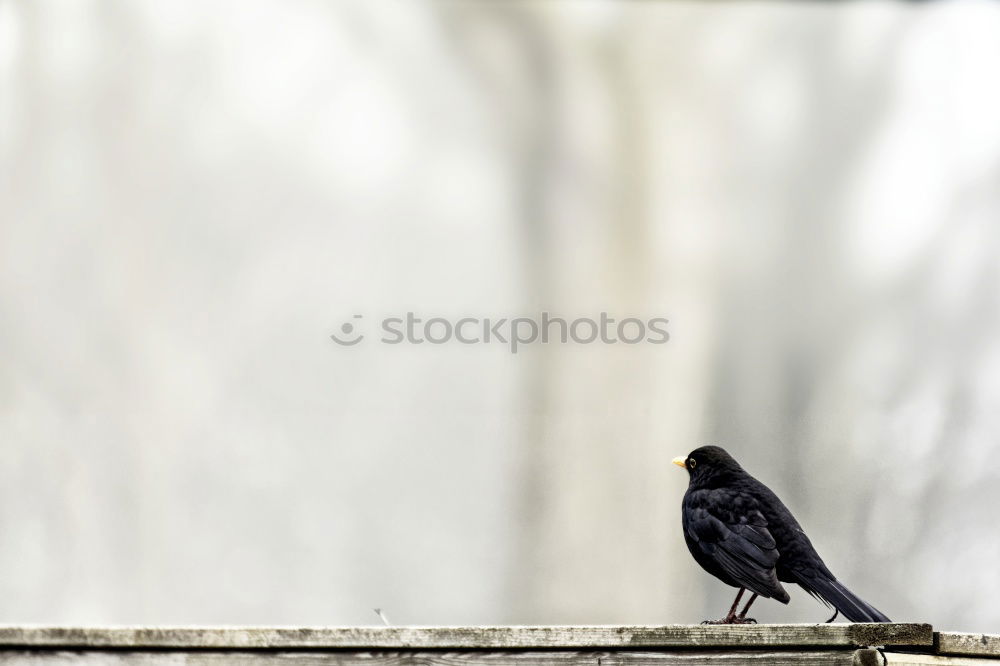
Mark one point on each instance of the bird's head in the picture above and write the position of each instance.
(708, 462)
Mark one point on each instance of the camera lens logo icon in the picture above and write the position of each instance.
(350, 337)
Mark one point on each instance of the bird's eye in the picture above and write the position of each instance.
(692, 462)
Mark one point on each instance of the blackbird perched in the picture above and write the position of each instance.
(741, 533)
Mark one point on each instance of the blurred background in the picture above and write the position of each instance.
(195, 195)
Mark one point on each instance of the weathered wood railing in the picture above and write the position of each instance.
(860, 644)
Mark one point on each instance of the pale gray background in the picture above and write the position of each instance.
(195, 194)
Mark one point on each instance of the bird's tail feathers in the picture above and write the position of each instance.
(833, 593)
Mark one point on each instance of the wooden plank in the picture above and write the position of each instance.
(910, 659)
(511, 637)
(438, 658)
(967, 644)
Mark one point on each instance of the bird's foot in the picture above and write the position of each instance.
(732, 619)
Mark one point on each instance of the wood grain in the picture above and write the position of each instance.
(478, 658)
(772, 636)
(909, 659)
(967, 644)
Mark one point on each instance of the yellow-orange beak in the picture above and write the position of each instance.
(680, 461)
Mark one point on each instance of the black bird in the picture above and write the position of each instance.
(741, 533)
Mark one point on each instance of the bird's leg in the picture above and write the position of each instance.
(731, 615)
(732, 609)
(836, 612)
(742, 618)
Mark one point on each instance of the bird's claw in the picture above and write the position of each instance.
(735, 619)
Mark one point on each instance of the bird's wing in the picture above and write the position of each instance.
(733, 532)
